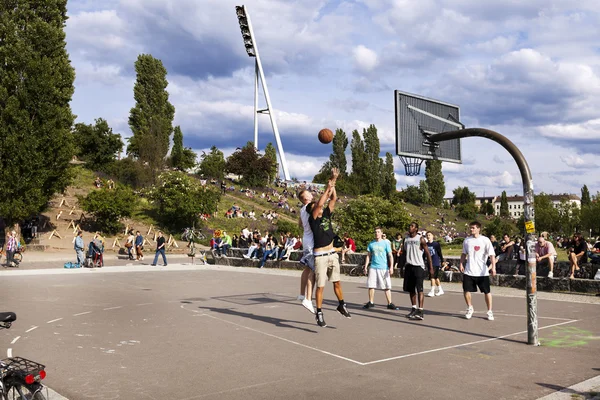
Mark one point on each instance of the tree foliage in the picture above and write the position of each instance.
(338, 157)
(504, 205)
(36, 86)
(498, 227)
(182, 158)
(388, 179)
(130, 172)
(372, 160)
(180, 199)
(250, 165)
(590, 215)
(435, 182)
(359, 162)
(486, 208)
(96, 144)
(546, 216)
(151, 119)
(585, 196)
(416, 195)
(271, 154)
(361, 215)
(462, 195)
(109, 206)
(212, 165)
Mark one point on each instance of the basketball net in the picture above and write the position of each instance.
(412, 165)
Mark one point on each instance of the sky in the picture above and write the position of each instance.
(529, 70)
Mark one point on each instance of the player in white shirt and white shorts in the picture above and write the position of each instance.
(476, 274)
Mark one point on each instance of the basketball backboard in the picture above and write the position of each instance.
(417, 118)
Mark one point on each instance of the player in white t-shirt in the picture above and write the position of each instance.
(307, 279)
(476, 274)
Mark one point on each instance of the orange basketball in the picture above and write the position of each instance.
(325, 136)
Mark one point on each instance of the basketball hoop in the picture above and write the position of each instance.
(412, 165)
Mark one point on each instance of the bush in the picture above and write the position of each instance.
(129, 172)
(181, 199)
(108, 207)
(284, 227)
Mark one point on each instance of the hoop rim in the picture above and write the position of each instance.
(412, 165)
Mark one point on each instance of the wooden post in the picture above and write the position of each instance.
(54, 233)
(72, 210)
(58, 215)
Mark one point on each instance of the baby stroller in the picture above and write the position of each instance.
(94, 254)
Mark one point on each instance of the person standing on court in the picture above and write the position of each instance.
(379, 254)
(160, 249)
(476, 250)
(416, 250)
(436, 259)
(327, 262)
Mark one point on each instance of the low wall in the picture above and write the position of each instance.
(504, 277)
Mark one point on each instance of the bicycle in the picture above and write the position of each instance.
(20, 378)
(17, 256)
(359, 270)
(191, 234)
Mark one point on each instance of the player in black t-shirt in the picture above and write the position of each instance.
(327, 263)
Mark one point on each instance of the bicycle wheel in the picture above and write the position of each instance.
(18, 257)
(26, 392)
(353, 271)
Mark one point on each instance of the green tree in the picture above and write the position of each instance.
(486, 208)
(546, 215)
(590, 215)
(424, 191)
(130, 172)
(504, 205)
(271, 154)
(467, 211)
(372, 161)
(97, 145)
(248, 163)
(361, 215)
(462, 195)
(151, 119)
(212, 165)
(182, 158)
(180, 199)
(435, 182)
(388, 184)
(324, 173)
(359, 162)
(568, 216)
(498, 227)
(414, 194)
(585, 196)
(36, 86)
(338, 157)
(109, 206)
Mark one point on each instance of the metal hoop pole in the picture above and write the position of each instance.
(532, 319)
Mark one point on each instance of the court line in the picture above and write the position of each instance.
(524, 316)
(30, 329)
(144, 304)
(82, 313)
(15, 340)
(54, 320)
(287, 340)
(462, 345)
(9, 352)
(112, 308)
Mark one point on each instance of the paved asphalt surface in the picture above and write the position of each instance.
(208, 332)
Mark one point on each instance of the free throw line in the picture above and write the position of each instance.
(462, 345)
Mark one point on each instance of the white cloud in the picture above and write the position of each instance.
(584, 131)
(364, 58)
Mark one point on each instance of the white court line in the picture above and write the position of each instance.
(144, 304)
(287, 340)
(54, 320)
(30, 329)
(82, 313)
(525, 316)
(462, 345)
(15, 340)
(112, 308)
(9, 353)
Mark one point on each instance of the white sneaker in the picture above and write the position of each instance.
(431, 293)
(440, 292)
(300, 297)
(469, 313)
(308, 305)
(550, 274)
(490, 315)
(245, 256)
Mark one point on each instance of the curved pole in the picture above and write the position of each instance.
(532, 322)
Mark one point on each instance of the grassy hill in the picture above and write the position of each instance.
(429, 218)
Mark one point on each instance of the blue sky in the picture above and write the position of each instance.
(529, 70)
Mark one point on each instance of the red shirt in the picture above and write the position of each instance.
(350, 244)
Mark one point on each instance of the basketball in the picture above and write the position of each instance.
(325, 136)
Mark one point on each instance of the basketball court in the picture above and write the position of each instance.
(239, 333)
